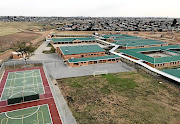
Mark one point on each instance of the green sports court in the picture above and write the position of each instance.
(22, 83)
(32, 115)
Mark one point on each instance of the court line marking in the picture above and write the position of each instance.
(50, 112)
(21, 92)
(26, 77)
(29, 108)
(22, 71)
(4, 86)
(22, 86)
(22, 115)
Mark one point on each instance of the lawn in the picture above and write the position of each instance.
(121, 98)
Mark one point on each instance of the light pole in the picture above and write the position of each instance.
(126, 45)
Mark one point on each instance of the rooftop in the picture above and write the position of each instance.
(145, 42)
(175, 72)
(93, 58)
(54, 40)
(136, 53)
(69, 50)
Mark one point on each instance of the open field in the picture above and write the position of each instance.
(121, 98)
(14, 27)
(7, 41)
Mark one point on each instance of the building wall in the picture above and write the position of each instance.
(75, 42)
(65, 57)
(162, 65)
(92, 62)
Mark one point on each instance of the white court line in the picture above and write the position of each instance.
(23, 73)
(15, 87)
(50, 112)
(27, 108)
(25, 86)
(23, 77)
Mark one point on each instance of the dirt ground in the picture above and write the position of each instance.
(121, 98)
(7, 41)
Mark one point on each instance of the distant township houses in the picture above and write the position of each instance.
(101, 23)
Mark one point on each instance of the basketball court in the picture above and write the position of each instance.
(22, 83)
(17, 86)
(35, 115)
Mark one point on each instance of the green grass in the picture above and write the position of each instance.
(52, 50)
(41, 116)
(122, 98)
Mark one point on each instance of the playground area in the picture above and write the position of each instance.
(22, 83)
(22, 86)
(34, 115)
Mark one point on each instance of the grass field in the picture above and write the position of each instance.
(22, 83)
(31, 115)
(14, 27)
(121, 98)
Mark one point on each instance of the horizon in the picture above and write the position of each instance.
(78, 8)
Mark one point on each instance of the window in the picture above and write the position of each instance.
(113, 59)
(76, 63)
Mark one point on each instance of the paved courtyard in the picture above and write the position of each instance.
(58, 69)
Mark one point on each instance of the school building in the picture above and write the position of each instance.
(132, 42)
(80, 51)
(93, 60)
(73, 40)
(157, 57)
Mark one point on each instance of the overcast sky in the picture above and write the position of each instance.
(95, 8)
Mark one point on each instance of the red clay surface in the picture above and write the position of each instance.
(46, 98)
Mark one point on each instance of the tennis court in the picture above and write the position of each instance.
(31, 115)
(22, 83)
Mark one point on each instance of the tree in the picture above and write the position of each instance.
(174, 22)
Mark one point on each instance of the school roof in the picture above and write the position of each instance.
(122, 36)
(69, 50)
(54, 40)
(141, 42)
(93, 58)
(175, 72)
(136, 53)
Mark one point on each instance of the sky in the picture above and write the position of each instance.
(91, 8)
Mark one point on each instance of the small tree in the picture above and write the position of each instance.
(174, 22)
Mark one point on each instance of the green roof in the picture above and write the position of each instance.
(93, 58)
(54, 40)
(136, 53)
(78, 49)
(139, 43)
(119, 36)
(175, 72)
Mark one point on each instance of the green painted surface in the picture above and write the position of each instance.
(32, 115)
(136, 53)
(23, 83)
(93, 58)
(72, 39)
(69, 50)
(118, 36)
(175, 72)
(141, 42)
